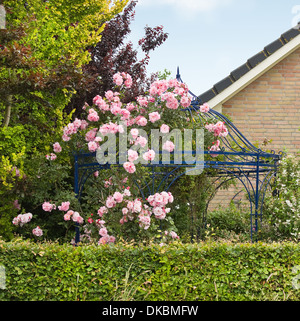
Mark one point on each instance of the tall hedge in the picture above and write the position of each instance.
(177, 272)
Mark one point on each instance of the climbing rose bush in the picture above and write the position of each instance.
(121, 208)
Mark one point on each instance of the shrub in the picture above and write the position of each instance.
(176, 272)
(229, 221)
(282, 205)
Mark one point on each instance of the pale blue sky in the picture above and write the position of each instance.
(210, 38)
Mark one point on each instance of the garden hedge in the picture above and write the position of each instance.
(176, 272)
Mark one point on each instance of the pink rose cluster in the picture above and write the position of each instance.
(105, 237)
(215, 147)
(173, 92)
(135, 209)
(119, 78)
(204, 108)
(159, 201)
(57, 149)
(22, 219)
(64, 207)
(73, 128)
(172, 234)
(74, 215)
(219, 129)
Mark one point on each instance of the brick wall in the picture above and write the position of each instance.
(268, 108)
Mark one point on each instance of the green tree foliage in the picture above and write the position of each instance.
(42, 51)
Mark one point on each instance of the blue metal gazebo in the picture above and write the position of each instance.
(238, 159)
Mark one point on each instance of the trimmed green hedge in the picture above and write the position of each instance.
(177, 272)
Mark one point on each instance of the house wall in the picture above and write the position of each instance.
(268, 108)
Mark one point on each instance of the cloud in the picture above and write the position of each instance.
(187, 6)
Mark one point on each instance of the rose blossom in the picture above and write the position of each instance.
(132, 155)
(22, 219)
(129, 167)
(204, 108)
(164, 129)
(93, 146)
(149, 156)
(141, 141)
(64, 206)
(57, 148)
(117, 78)
(153, 117)
(103, 231)
(174, 235)
(118, 197)
(142, 121)
(125, 211)
(134, 133)
(90, 135)
(77, 218)
(110, 202)
(67, 217)
(168, 146)
(47, 207)
(102, 210)
(109, 95)
(37, 231)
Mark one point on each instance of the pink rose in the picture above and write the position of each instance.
(93, 116)
(102, 210)
(204, 108)
(90, 135)
(37, 231)
(134, 133)
(185, 101)
(153, 117)
(216, 148)
(132, 155)
(118, 197)
(117, 78)
(64, 206)
(168, 146)
(109, 95)
(57, 148)
(141, 141)
(164, 129)
(110, 202)
(93, 146)
(149, 156)
(67, 217)
(103, 231)
(142, 121)
(129, 167)
(47, 207)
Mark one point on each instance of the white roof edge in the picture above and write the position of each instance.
(255, 73)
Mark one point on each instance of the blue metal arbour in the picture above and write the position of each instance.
(253, 167)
